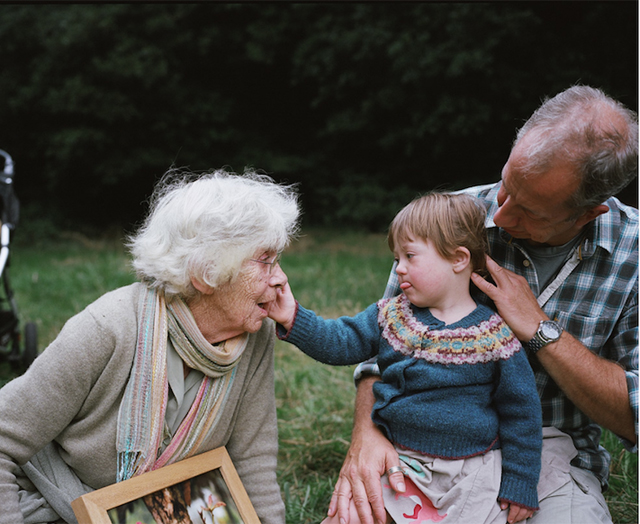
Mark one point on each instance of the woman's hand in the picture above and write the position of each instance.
(516, 513)
(283, 308)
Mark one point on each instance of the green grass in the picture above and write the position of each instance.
(53, 281)
(333, 273)
(622, 495)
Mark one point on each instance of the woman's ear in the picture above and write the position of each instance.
(203, 288)
(461, 259)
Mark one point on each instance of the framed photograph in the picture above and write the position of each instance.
(204, 489)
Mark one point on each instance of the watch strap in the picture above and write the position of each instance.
(539, 340)
(535, 344)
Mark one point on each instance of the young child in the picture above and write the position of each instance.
(457, 396)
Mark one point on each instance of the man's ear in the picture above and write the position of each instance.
(461, 259)
(203, 288)
(592, 214)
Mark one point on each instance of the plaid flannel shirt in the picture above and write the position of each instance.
(596, 301)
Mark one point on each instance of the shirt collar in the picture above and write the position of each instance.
(607, 228)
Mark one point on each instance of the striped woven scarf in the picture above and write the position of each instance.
(142, 411)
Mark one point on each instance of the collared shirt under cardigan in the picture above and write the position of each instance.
(596, 301)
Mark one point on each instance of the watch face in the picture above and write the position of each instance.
(550, 330)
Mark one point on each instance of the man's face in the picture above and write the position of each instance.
(534, 208)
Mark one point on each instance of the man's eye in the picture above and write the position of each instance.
(533, 216)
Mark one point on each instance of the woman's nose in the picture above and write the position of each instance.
(277, 277)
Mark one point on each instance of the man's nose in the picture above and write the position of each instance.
(506, 215)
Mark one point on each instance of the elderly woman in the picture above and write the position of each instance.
(170, 367)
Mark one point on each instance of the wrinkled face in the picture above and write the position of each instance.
(240, 306)
(424, 275)
(534, 208)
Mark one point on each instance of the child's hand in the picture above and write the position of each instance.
(283, 308)
(516, 513)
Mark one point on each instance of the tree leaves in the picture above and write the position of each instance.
(100, 99)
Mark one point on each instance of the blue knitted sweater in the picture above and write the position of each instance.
(449, 391)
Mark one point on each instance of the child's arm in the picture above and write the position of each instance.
(338, 342)
(520, 417)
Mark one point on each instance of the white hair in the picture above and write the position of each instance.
(206, 226)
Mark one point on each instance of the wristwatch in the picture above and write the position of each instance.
(548, 331)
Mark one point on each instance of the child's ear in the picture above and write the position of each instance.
(461, 259)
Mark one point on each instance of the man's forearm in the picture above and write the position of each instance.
(370, 455)
(598, 387)
(365, 400)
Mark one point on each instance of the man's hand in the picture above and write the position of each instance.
(369, 457)
(595, 385)
(359, 479)
(513, 298)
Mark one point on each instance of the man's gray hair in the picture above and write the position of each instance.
(206, 226)
(596, 135)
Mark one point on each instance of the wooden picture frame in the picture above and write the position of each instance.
(185, 484)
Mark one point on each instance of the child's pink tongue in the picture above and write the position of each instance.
(405, 285)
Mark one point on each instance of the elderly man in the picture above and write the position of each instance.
(565, 272)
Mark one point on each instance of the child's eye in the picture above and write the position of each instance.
(410, 255)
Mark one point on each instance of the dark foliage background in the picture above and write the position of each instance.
(363, 104)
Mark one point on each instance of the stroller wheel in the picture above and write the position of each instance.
(30, 344)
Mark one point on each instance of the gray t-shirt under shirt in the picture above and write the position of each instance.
(548, 260)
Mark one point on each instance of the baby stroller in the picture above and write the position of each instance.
(10, 339)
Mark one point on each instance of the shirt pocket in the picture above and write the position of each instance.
(591, 331)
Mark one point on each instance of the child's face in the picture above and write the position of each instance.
(425, 276)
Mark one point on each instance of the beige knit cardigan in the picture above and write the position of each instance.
(72, 392)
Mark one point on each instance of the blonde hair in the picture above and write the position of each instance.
(449, 221)
(206, 226)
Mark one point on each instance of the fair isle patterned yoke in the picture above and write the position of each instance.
(488, 341)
